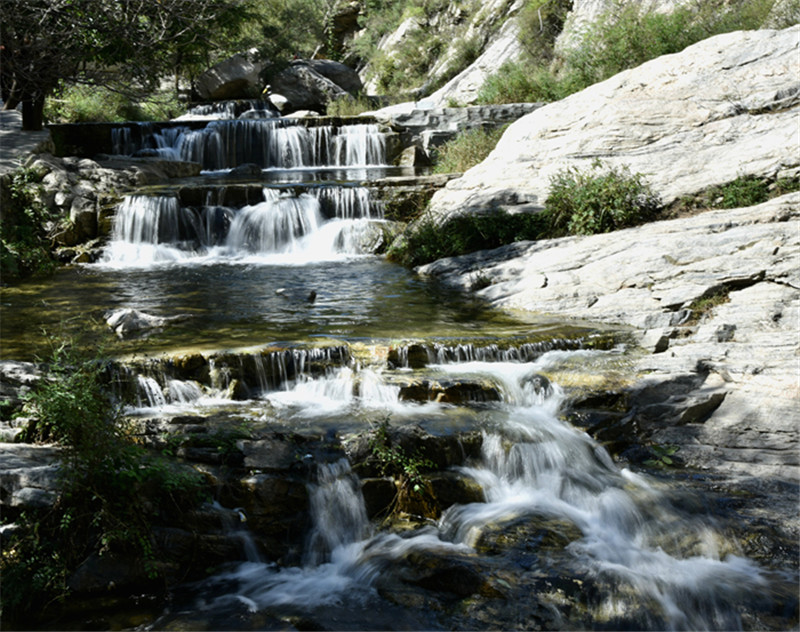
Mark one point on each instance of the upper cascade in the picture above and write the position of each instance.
(267, 142)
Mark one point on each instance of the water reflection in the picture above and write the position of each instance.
(240, 304)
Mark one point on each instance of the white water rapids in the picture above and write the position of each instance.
(533, 464)
(285, 228)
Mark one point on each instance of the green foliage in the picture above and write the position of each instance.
(741, 192)
(466, 150)
(662, 456)
(540, 23)
(78, 103)
(625, 36)
(598, 201)
(111, 490)
(518, 82)
(393, 461)
(427, 240)
(24, 247)
(744, 191)
(347, 106)
(705, 304)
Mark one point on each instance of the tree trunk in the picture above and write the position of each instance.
(33, 114)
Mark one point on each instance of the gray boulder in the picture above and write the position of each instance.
(343, 76)
(237, 77)
(312, 84)
(128, 322)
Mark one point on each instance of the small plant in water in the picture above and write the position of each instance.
(406, 470)
(662, 456)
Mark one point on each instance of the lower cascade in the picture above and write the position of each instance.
(642, 560)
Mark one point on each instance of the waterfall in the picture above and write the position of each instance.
(338, 514)
(324, 222)
(534, 464)
(270, 143)
(275, 225)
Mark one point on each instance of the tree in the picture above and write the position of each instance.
(102, 41)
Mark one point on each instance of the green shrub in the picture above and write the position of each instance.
(598, 201)
(744, 191)
(350, 106)
(24, 246)
(625, 36)
(99, 104)
(111, 490)
(428, 240)
(466, 150)
(518, 82)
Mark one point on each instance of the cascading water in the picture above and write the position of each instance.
(323, 222)
(632, 539)
(269, 143)
(232, 274)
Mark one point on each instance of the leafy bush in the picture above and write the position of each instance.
(598, 201)
(111, 490)
(427, 240)
(466, 150)
(87, 104)
(24, 247)
(518, 82)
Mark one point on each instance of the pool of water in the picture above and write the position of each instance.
(238, 304)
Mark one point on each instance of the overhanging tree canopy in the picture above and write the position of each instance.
(93, 41)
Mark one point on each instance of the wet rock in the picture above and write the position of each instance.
(274, 453)
(103, 574)
(379, 496)
(129, 322)
(441, 573)
(16, 379)
(28, 477)
(277, 509)
(247, 169)
(449, 391)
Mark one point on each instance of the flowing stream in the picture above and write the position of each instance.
(294, 269)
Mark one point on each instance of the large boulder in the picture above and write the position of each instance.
(312, 84)
(237, 77)
(723, 108)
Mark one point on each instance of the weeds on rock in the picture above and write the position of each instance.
(598, 201)
(111, 493)
(466, 150)
(414, 492)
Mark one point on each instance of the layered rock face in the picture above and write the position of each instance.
(739, 360)
(722, 384)
(723, 108)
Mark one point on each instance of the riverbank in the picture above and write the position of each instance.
(714, 301)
